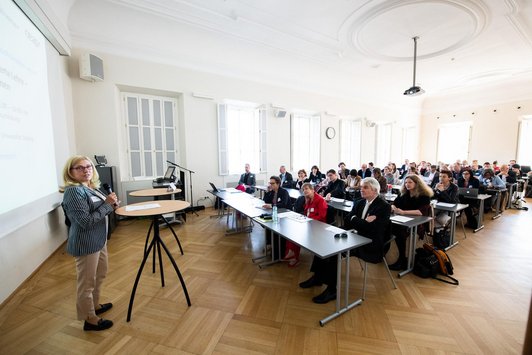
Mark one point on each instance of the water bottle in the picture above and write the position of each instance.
(275, 217)
(389, 190)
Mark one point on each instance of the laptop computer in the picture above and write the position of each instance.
(466, 191)
(214, 188)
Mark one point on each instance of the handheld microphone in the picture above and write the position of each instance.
(109, 191)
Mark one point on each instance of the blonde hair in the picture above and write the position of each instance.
(421, 188)
(69, 180)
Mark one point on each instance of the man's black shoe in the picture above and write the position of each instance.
(102, 325)
(104, 308)
(328, 295)
(310, 282)
(399, 265)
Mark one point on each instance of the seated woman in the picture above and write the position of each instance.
(377, 174)
(488, 183)
(301, 179)
(388, 175)
(352, 183)
(316, 176)
(314, 207)
(414, 200)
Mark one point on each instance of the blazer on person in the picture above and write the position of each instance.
(283, 198)
(449, 195)
(86, 212)
(288, 180)
(336, 189)
(250, 183)
(378, 230)
(364, 174)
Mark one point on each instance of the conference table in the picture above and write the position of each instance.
(318, 238)
(154, 209)
(480, 216)
(156, 194)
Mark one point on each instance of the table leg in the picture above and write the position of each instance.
(480, 217)
(132, 298)
(453, 231)
(498, 204)
(411, 252)
(177, 272)
(175, 235)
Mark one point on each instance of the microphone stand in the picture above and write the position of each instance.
(191, 196)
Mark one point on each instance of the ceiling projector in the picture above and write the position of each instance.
(413, 91)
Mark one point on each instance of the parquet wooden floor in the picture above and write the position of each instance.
(239, 309)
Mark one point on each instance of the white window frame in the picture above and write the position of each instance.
(351, 142)
(153, 158)
(304, 140)
(451, 136)
(383, 144)
(229, 126)
(524, 137)
(409, 144)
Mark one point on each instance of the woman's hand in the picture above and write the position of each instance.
(112, 199)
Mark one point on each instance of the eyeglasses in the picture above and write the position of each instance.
(81, 168)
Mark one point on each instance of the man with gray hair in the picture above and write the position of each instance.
(370, 217)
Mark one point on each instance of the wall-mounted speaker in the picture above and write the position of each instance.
(280, 113)
(90, 67)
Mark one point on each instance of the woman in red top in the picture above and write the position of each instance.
(316, 208)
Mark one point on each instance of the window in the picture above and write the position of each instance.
(383, 144)
(524, 153)
(305, 147)
(453, 142)
(409, 146)
(241, 138)
(151, 133)
(350, 142)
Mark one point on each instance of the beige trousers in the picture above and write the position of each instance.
(91, 270)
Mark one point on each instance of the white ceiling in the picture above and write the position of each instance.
(359, 49)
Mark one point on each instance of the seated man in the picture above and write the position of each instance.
(445, 191)
(432, 176)
(335, 188)
(287, 181)
(248, 180)
(371, 218)
(276, 196)
(364, 172)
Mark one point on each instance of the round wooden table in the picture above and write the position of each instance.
(156, 209)
(154, 192)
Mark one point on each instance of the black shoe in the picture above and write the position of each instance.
(328, 295)
(104, 308)
(310, 282)
(399, 265)
(103, 324)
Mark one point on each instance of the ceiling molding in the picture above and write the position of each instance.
(518, 22)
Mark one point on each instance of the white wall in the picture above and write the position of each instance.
(22, 251)
(99, 125)
(495, 120)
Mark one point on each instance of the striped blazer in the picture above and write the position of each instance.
(86, 211)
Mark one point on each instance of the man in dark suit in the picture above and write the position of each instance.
(371, 218)
(364, 172)
(287, 181)
(248, 180)
(336, 186)
(432, 176)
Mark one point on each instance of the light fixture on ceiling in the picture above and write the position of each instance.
(414, 90)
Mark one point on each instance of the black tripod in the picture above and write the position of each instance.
(190, 179)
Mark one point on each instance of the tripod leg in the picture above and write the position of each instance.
(148, 237)
(175, 235)
(178, 273)
(132, 298)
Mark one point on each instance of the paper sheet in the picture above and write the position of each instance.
(335, 229)
(142, 207)
(400, 219)
(445, 204)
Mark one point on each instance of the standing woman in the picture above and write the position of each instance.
(87, 208)
(414, 200)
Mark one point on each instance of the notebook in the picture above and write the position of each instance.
(466, 191)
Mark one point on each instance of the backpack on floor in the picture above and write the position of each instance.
(431, 262)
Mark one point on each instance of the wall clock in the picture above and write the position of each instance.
(330, 132)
